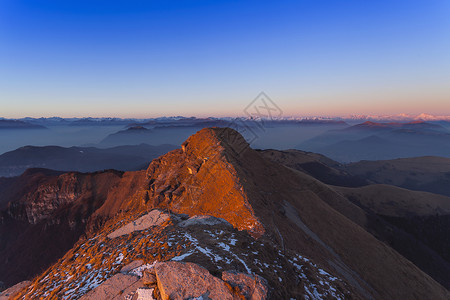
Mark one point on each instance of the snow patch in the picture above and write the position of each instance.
(139, 270)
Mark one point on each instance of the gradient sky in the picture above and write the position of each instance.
(153, 58)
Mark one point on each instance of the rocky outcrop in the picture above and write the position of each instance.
(200, 179)
(179, 281)
(48, 212)
(252, 287)
(42, 202)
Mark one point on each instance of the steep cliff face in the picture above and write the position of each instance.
(44, 219)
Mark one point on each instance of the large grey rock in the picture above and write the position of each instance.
(153, 218)
(203, 220)
(178, 281)
(112, 288)
(10, 292)
(133, 265)
(252, 287)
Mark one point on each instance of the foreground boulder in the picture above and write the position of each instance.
(178, 281)
(251, 287)
(113, 287)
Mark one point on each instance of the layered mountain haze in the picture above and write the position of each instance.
(245, 223)
(376, 141)
(17, 124)
(82, 159)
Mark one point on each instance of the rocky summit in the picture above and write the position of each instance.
(214, 219)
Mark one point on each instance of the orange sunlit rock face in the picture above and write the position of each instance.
(199, 179)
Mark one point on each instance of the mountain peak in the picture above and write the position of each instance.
(372, 124)
(215, 140)
(417, 122)
(134, 128)
(201, 178)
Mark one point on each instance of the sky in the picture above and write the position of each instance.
(212, 58)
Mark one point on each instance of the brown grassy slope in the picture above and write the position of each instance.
(429, 173)
(398, 202)
(423, 240)
(417, 224)
(320, 167)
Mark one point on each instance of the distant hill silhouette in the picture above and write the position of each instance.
(16, 124)
(431, 174)
(82, 159)
(375, 141)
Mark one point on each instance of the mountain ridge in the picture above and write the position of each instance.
(216, 173)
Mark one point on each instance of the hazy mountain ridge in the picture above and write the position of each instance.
(431, 174)
(377, 141)
(82, 159)
(17, 124)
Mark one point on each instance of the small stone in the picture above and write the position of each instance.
(149, 277)
(143, 294)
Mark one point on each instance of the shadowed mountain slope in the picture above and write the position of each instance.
(318, 166)
(429, 173)
(413, 223)
(46, 215)
(416, 224)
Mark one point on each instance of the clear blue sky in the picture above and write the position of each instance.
(152, 58)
